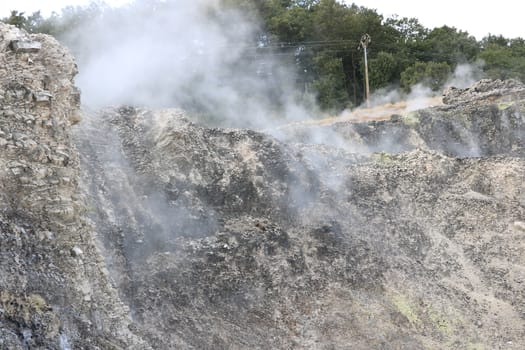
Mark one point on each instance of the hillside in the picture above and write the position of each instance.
(138, 229)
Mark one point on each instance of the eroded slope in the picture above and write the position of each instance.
(232, 239)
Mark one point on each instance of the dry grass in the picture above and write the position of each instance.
(382, 112)
(364, 114)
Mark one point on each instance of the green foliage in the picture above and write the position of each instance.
(384, 69)
(504, 58)
(30, 23)
(17, 19)
(408, 30)
(329, 82)
(57, 25)
(431, 74)
(447, 44)
(292, 25)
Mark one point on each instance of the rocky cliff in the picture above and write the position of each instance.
(157, 232)
(54, 287)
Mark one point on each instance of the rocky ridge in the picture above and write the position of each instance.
(483, 120)
(244, 241)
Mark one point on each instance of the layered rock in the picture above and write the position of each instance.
(54, 290)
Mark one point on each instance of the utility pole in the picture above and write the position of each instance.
(365, 41)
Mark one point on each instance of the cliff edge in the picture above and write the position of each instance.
(54, 288)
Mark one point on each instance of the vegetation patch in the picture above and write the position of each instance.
(505, 105)
(383, 158)
(440, 322)
(410, 119)
(24, 306)
(404, 306)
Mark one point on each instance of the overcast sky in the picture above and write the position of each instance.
(46, 6)
(477, 17)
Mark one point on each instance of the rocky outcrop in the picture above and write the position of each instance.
(232, 239)
(484, 120)
(54, 290)
(486, 91)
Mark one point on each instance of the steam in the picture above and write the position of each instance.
(465, 75)
(420, 95)
(210, 61)
(187, 53)
(196, 55)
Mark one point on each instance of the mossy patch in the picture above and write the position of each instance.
(410, 119)
(440, 322)
(443, 323)
(37, 303)
(462, 119)
(505, 105)
(404, 306)
(383, 158)
(22, 306)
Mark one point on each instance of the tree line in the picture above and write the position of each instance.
(320, 38)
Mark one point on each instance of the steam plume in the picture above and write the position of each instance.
(187, 53)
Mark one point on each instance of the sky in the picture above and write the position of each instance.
(46, 6)
(478, 18)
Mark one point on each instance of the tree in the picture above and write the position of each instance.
(383, 70)
(431, 74)
(447, 44)
(503, 58)
(329, 82)
(34, 23)
(408, 30)
(291, 25)
(17, 19)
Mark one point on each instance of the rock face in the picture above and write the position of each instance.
(232, 239)
(53, 290)
(406, 234)
(483, 120)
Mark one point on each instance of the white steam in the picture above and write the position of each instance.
(186, 53)
(198, 56)
(64, 342)
(465, 75)
(421, 96)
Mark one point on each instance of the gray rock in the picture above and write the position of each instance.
(42, 287)
(42, 97)
(251, 242)
(21, 46)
